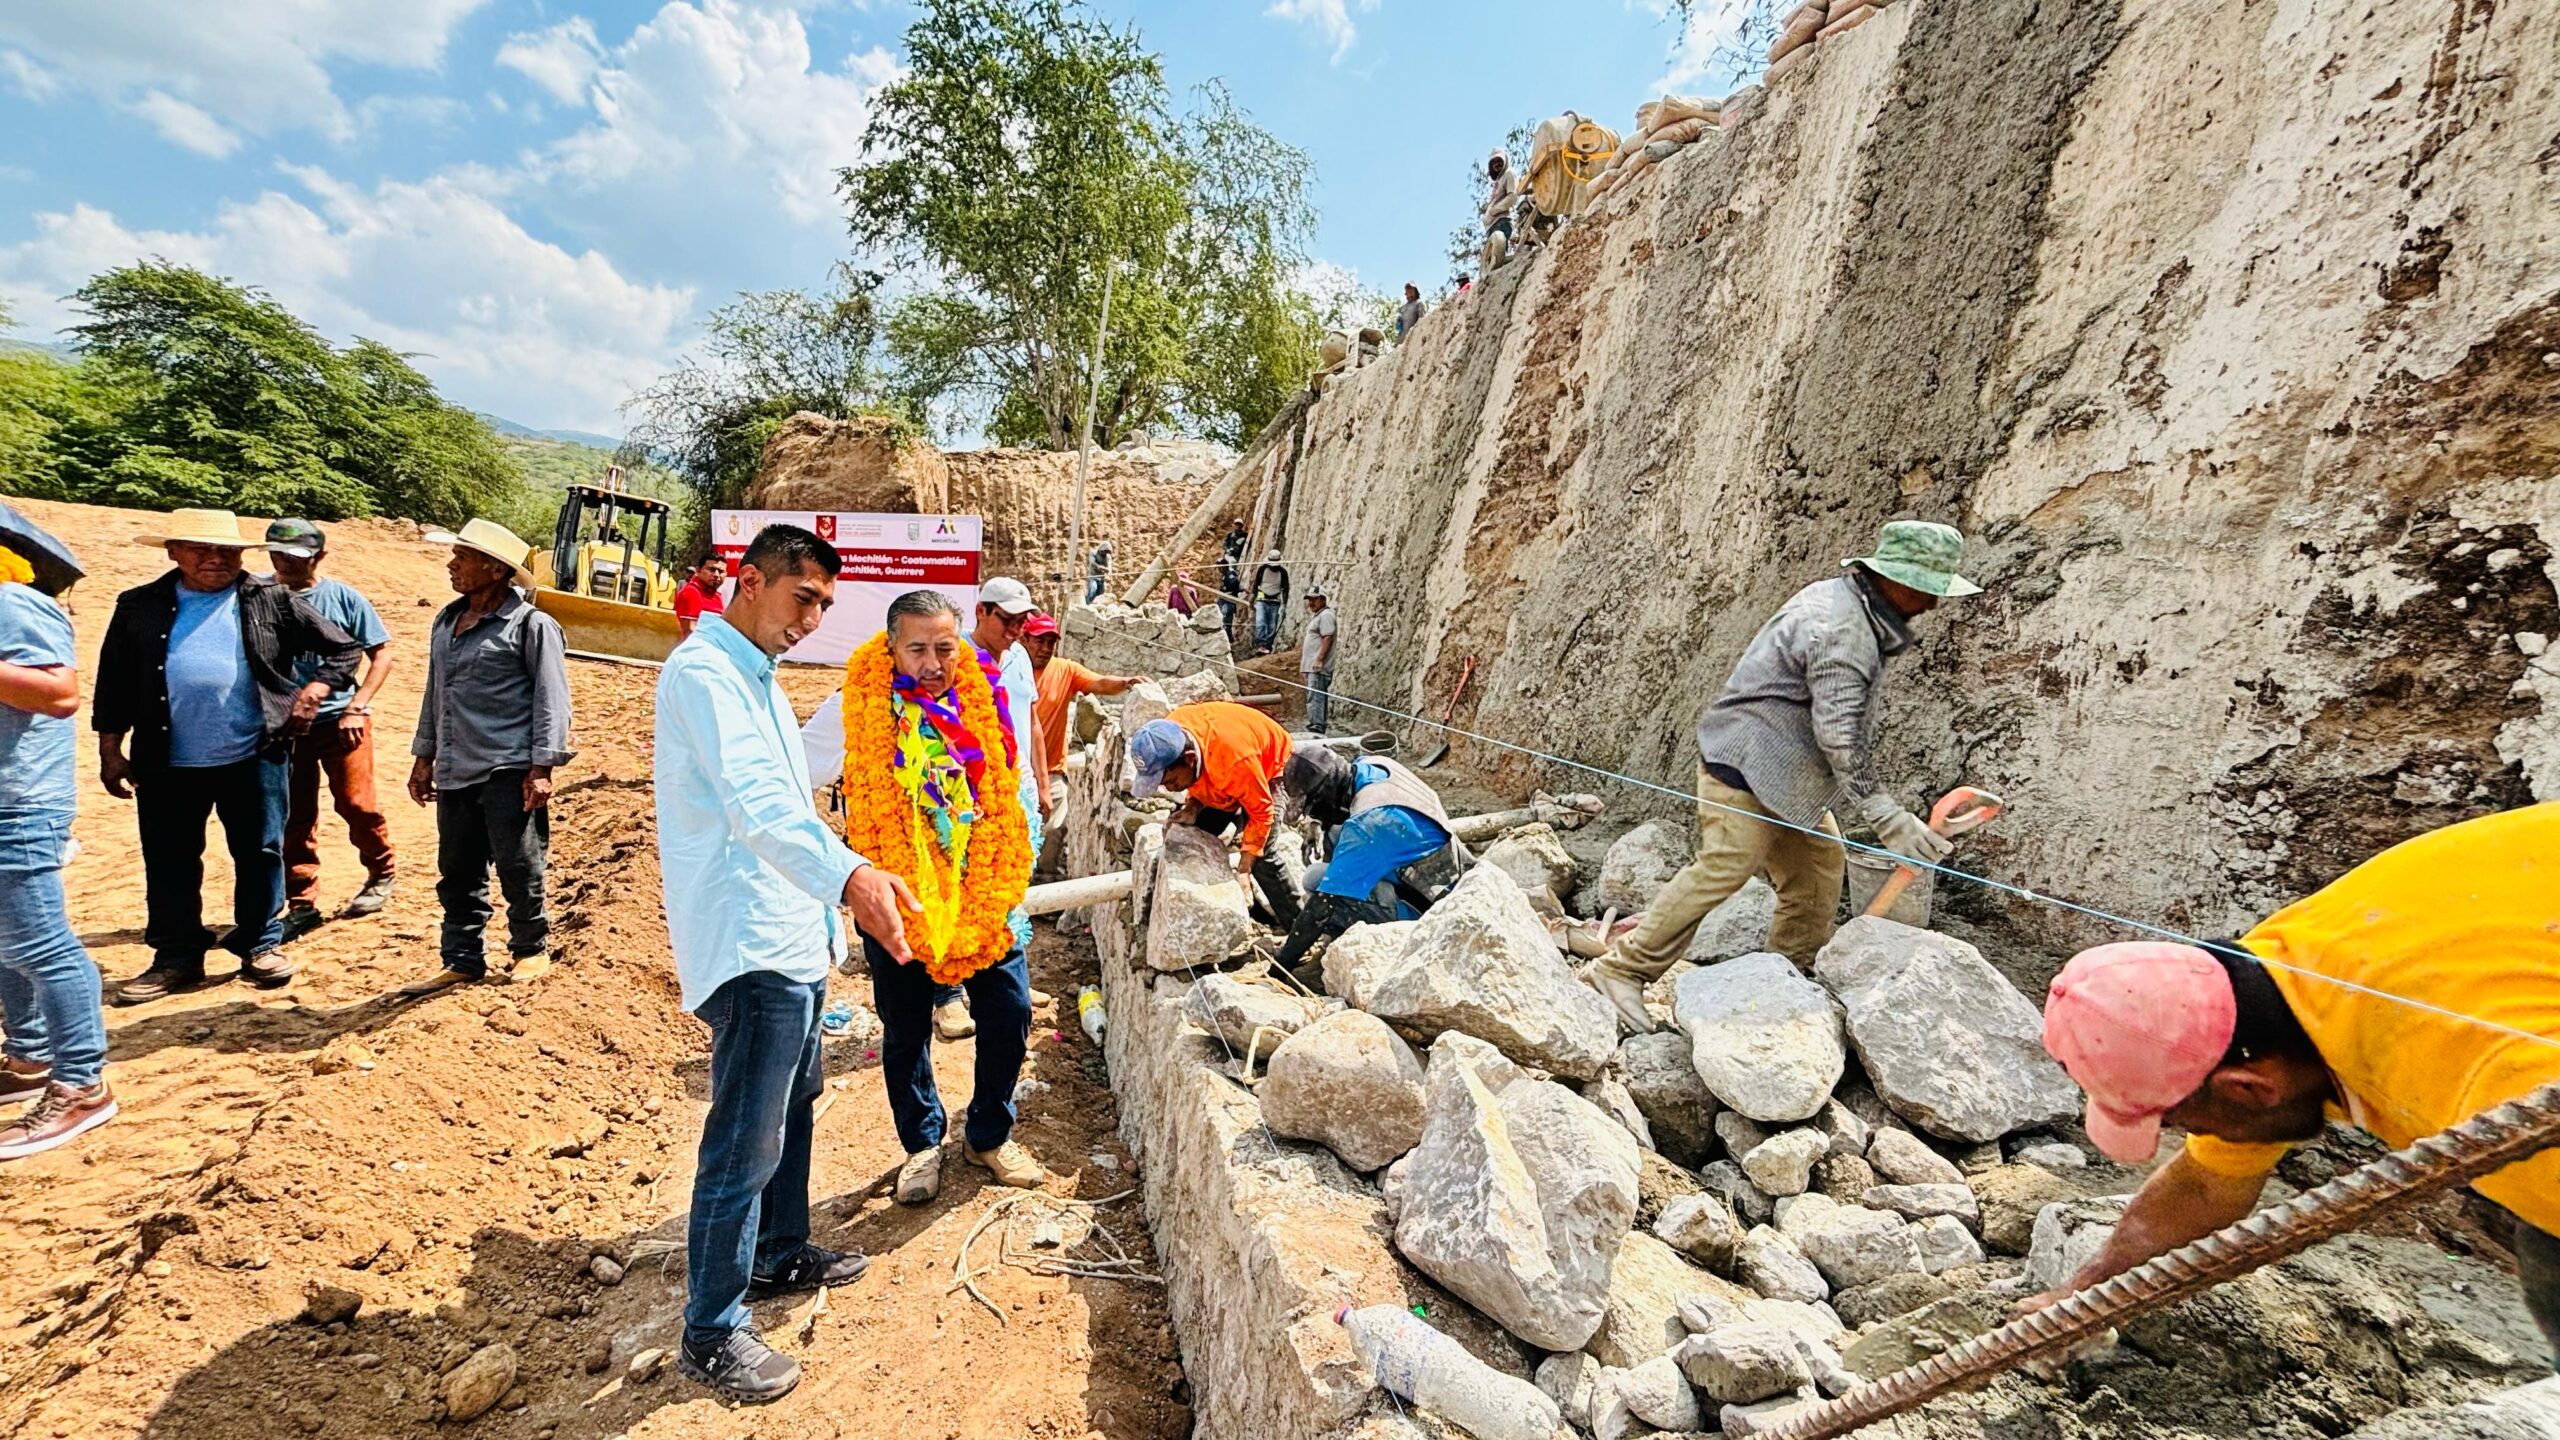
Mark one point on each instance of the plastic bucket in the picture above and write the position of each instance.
(1867, 874)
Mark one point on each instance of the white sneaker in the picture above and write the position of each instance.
(920, 1179)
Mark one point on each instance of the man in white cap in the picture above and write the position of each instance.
(213, 643)
(1005, 606)
(1789, 741)
(493, 726)
(1315, 657)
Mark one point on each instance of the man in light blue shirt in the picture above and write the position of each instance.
(752, 877)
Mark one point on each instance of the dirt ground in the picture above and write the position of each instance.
(456, 1162)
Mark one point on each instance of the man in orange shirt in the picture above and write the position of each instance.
(1057, 684)
(1226, 758)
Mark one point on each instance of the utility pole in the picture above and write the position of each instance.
(1084, 447)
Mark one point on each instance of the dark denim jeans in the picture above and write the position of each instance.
(1266, 625)
(479, 827)
(1319, 699)
(48, 986)
(172, 805)
(999, 1000)
(751, 1176)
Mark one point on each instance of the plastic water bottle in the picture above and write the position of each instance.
(1417, 1363)
(1089, 1013)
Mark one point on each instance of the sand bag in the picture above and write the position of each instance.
(1798, 33)
(1681, 132)
(1334, 348)
(1816, 11)
(1661, 150)
(1795, 59)
(1645, 118)
(1851, 21)
(1672, 109)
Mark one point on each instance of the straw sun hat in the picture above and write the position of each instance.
(494, 540)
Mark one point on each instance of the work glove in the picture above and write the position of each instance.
(1906, 835)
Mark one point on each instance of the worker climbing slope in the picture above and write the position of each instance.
(1793, 738)
(2252, 1045)
(1388, 852)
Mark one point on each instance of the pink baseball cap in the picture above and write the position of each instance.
(2139, 1026)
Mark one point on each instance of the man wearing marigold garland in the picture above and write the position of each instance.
(933, 795)
(752, 879)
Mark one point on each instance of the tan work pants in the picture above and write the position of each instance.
(1731, 849)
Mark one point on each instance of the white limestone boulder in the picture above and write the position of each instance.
(1638, 864)
(1783, 1164)
(1236, 1010)
(1350, 1084)
(1196, 906)
(1481, 962)
(1742, 1362)
(1770, 1263)
(1354, 959)
(1852, 1245)
(1765, 1039)
(1903, 1158)
(1949, 1043)
(1534, 859)
(1701, 1227)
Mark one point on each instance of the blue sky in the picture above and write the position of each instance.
(541, 197)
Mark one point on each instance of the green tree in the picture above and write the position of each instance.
(1029, 148)
(770, 355)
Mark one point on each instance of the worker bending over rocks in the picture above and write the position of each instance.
(1388, 853)
(1792, 739)
(1225, 758)
(2252, 1045)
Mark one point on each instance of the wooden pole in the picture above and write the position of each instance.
(1075, 894)
(1084, 447)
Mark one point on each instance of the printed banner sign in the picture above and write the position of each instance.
(884, 557)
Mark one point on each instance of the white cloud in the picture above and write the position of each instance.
(719, 94)
(500, 319)
(27, 77)
(255, 66)
(1710, 28)
(1330, 19)
(561, 59)
(184, 125)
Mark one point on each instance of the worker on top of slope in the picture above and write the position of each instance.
(1226, 759)
(1792, 738)
(1388, 851)
(2252, 1044)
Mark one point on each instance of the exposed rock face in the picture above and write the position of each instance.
(1766, 1040)
(814, 463)
(1949, 1044)
(1519, 1204)
(1196, 905)
(1678, 1108)
(1350, 1084)
(1481, 962)
(1637, 865)
(1535, 859)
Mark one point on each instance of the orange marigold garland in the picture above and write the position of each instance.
(970, 890)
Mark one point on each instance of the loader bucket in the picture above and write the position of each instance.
(610, 629)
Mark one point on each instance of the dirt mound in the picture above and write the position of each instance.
(453, 1165)
(814, 463)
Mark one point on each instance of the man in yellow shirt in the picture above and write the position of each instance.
(2250, 1046)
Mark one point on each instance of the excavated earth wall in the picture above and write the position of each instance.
(2229, 334)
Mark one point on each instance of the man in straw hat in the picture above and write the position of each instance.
(1791, 739)
(53, 1038)
(2408, 995)
(225, 650)
(493, 726)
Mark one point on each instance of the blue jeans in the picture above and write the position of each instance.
(999, 1000)
(1092, 588)
(172, 806)
(48, 987)
(751, 1176)
(1319, 699)
(1266, 624)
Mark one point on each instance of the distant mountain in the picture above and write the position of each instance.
(588, 438)
(59, 350)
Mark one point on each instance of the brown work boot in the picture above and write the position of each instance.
(22, 1079)
(952, 1021)
(1009, 1163)
(1625, 994)
(63, 1114)
(270, 969)
(920, 1179)
(164, 978)
(444, 979)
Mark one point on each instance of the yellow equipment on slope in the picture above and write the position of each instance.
(1566, 154)
(605, 577)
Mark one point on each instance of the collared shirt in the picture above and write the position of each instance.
(1242, 754)
(2466, 920)
(210, 688)
(345, 606)
(750, 872)
(36, 751)
(1797, 719)
(693, 600)
(497, 694)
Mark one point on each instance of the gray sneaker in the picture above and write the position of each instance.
(370, 900)
(741, 1367)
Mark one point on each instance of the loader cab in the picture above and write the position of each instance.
(608, 545)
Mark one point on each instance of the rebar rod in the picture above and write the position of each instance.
(2490, 1140)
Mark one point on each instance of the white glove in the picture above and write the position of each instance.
(1903, 833)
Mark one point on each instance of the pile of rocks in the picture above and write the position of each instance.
(1802, 1178)
(1116, 639)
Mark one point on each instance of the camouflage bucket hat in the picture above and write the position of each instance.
(1920, 554)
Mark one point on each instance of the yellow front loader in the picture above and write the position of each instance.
(605, 577)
